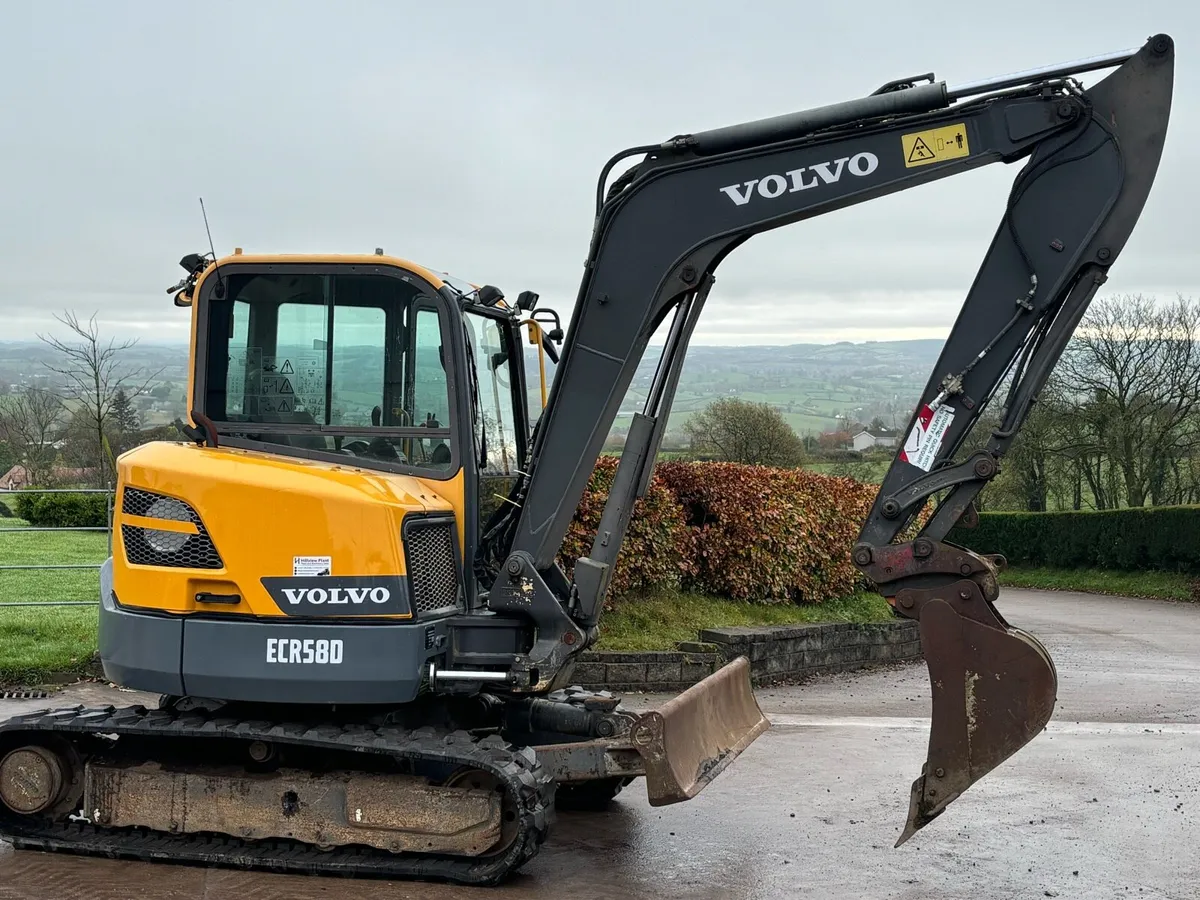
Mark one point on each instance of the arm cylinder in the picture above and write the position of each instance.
(1029, 76)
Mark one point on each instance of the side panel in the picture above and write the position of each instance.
(139, 651)
(293, 663)
(259, 517)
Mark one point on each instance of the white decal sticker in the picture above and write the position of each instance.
(304, 652)
(312, 565)
(923, 442)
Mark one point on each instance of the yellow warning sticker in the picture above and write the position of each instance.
(935, 145)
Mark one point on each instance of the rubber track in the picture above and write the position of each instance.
(528, 784)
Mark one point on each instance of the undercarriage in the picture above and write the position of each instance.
(460, 790)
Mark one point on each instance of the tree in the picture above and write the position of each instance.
(94, 375)
(125, 419)
(1135, 369)
(740, 431)
(29, 424)
(835, 440)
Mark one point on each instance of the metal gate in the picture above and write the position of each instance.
(6, 554)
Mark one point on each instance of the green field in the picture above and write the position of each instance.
(809, 407)
(658, 623)
(37, 641)
(45, 548)
(870, 471)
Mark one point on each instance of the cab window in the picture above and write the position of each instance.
(497, 439)
(331, 364)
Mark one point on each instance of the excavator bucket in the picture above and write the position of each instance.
(994, 688)
(690, 739)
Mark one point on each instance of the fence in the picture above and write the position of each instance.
(6, 533)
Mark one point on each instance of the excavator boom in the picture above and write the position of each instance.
(1090, 157)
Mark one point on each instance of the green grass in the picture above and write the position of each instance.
(37, 548)
(1153, 585)
(36, 642)
(659, 622)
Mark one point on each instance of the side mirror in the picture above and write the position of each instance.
(490, 295)
(527, 300)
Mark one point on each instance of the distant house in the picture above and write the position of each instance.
(14, 479)
(874, 437)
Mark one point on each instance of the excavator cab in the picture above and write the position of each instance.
(356, 420)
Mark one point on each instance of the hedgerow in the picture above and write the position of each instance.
(1163, 538)
(768, 534)
(657, 552)
(63, 510)
(745, 532)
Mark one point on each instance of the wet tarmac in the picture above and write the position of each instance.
(1104, 804)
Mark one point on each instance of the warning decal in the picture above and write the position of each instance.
(923, 442)
(935, 145)
(920, 151)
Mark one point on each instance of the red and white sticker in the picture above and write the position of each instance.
(923, 442)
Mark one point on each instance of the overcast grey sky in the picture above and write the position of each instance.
(468, 136)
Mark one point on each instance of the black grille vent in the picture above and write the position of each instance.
(431, 555)
(151, 547)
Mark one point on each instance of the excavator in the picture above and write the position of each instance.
(345, 584)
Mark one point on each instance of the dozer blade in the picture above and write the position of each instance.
(690, 739)
(994, 688)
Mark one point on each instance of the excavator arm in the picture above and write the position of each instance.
(663, 227)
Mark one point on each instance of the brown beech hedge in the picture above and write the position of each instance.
(745, 532)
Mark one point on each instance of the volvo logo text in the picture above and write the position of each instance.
(318, 596)
(802, 179)
(337, 595)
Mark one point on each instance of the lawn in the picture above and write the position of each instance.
(1152, 585)
(659, 622)
(35, 641)
(38, 640)
(49, 548)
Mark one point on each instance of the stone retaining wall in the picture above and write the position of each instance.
(776, 653)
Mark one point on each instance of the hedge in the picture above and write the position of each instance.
(745, 532)
(657, 553)
(63, 510)
(769, 534)
(1164, 538)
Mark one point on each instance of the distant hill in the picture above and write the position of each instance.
(811, 384)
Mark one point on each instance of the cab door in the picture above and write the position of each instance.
(501, 420)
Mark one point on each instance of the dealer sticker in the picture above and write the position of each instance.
(925, 440)
(311, 565)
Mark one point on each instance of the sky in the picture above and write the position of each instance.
(468, 136)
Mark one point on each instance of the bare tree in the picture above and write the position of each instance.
(94, 377)
(1134, 368)
(30, 421)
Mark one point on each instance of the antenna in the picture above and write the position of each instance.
(220, 282)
